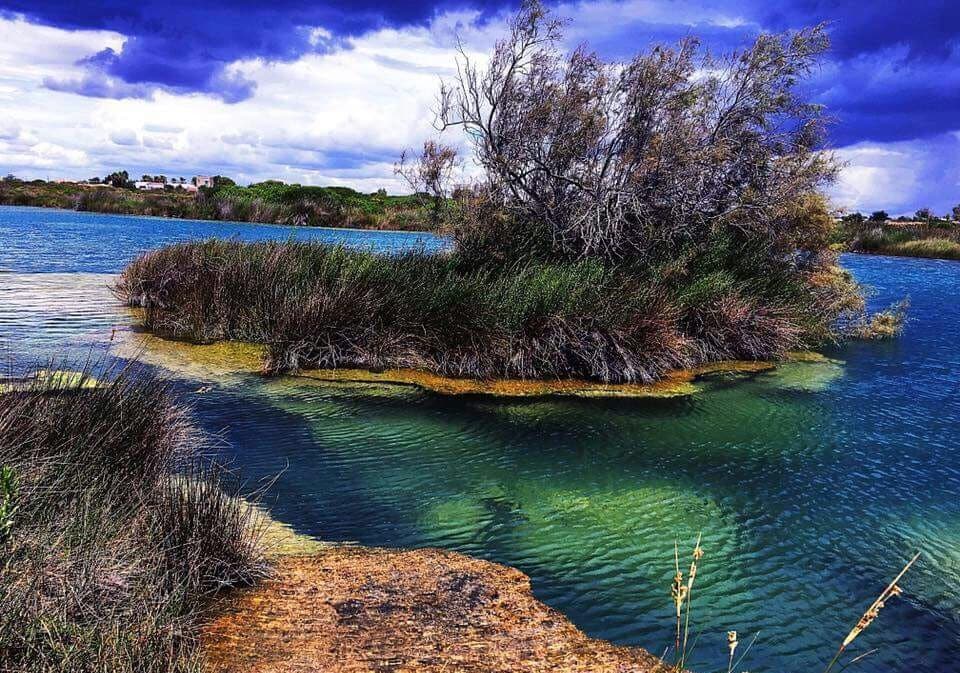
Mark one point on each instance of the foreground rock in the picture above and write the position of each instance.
(359, 609)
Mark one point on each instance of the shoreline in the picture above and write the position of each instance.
(411, 232)
(224, 358)
(887, 253)
(352, 608)
(676, 383)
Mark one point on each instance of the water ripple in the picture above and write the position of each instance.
(811, 484)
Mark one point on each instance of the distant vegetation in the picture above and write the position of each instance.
(114, 533)
(630, 220)
(924, 235)
(267, 202)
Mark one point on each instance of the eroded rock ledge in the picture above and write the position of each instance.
(361, 609)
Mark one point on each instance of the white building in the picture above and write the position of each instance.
(203, 180)
(148, 186)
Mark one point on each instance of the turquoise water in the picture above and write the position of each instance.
(811, 484)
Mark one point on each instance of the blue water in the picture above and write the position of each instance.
(65, 241)
(811, 484)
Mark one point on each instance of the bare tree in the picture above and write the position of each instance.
(429, 174)
(622, 160)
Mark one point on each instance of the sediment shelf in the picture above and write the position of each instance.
(232, 357)
(427, 610)
(674, 384)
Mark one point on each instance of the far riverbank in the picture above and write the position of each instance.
(900, 239)
(268, 202)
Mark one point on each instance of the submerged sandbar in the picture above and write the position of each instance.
(675, 384)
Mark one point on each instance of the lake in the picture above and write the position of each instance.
(812, 484)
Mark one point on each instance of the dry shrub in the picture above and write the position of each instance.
(620, 160)
(886, 324)
(735, 327)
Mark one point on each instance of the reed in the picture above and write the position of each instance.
(317, 306)
(681, 593)
(732, 643)
(892, 590)
(678, 592)
(116, 533)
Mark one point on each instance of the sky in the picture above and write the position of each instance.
(330, 93)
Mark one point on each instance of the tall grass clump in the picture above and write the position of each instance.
(114, 535)
(320, 306)
(316, 306)
(933, 248)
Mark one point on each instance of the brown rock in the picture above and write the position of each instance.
(358, 609)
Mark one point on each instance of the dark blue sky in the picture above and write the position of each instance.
(911, 101)
(893, 74)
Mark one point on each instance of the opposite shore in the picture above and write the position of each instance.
(270, 202)
(929, 238)
(274, 202)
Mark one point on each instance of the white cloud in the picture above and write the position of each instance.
(341, 117)
(126, 137)
(900, 177)
(336, 118)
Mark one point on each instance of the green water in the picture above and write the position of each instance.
(811, 484)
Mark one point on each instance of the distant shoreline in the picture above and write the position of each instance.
(899, 255)
(409, 232)
(264, 203)
(912, 239)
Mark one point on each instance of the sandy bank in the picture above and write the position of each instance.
(225, 358)
(674, 384)
(361, 609)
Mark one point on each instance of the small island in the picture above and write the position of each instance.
(629, 222)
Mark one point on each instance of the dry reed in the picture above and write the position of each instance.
(681, 593)
(893, 589)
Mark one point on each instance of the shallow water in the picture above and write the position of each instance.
(811, 484)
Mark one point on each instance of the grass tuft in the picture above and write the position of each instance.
(115, 535)
(886, 324)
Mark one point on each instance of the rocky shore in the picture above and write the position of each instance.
(426, 610)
